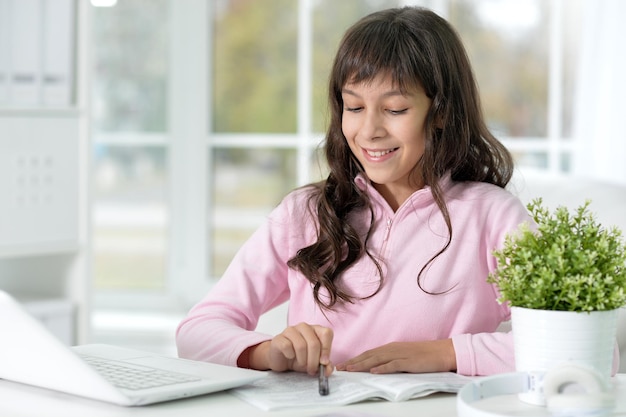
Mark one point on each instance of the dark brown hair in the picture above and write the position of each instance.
(416, 48)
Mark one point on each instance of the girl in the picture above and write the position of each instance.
(384, 263)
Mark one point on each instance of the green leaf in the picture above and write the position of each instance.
(566, 261)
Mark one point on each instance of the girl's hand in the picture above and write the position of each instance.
(414, 357)
(300, 348)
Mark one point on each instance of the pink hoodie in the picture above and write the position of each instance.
(461, 306)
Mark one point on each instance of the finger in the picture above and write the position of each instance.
(328, 369)
(286, 351)
(364, 362)
(309, 354)
(281, 353)
(390, 367)
(325, 336)
(299, 340)
(363, 365)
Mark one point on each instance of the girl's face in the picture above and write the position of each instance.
(385, 131)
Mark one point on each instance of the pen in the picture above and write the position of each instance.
(323, 381)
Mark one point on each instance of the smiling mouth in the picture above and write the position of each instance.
(378, 154)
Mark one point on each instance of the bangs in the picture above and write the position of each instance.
(380, 49)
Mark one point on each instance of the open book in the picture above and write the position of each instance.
(298, 390)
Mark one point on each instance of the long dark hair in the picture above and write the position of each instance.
(416, 48)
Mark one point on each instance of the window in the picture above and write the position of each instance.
(130, 156)
(524, 56)
(206, 113)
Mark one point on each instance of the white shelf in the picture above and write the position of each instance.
(39, 112)
(36, 249)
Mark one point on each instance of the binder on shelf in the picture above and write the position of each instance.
(25, 52)
(58, 53)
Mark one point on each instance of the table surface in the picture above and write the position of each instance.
(18, 400)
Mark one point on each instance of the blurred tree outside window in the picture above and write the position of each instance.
(507, 43)
(255, 73)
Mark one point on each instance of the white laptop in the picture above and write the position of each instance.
(30, 354)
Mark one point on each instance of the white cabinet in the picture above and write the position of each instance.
(39, 179)
(43, 165)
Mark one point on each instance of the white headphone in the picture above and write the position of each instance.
(569, 390)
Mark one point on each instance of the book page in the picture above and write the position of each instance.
(404, 386)
(298, 390)
(280, 390)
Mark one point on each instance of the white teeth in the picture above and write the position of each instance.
(378, 154)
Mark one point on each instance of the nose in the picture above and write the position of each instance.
(372, 126)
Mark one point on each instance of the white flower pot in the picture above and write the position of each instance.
(544, 339)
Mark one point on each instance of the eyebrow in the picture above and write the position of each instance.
(390, 93)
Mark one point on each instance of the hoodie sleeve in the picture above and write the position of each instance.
(484, 353)
(493, 353)
(221, 326)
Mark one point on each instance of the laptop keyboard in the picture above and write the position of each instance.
(135, 377)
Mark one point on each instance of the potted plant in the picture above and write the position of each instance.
(565, 279)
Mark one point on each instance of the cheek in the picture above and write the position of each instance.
(349, 127)
(418, 133)
(415, 141)
(345, 128)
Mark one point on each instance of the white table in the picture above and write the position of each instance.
(23, 401)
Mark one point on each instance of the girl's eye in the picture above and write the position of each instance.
(395, 112)
(353, 109)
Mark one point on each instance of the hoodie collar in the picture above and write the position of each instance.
(423, 196)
